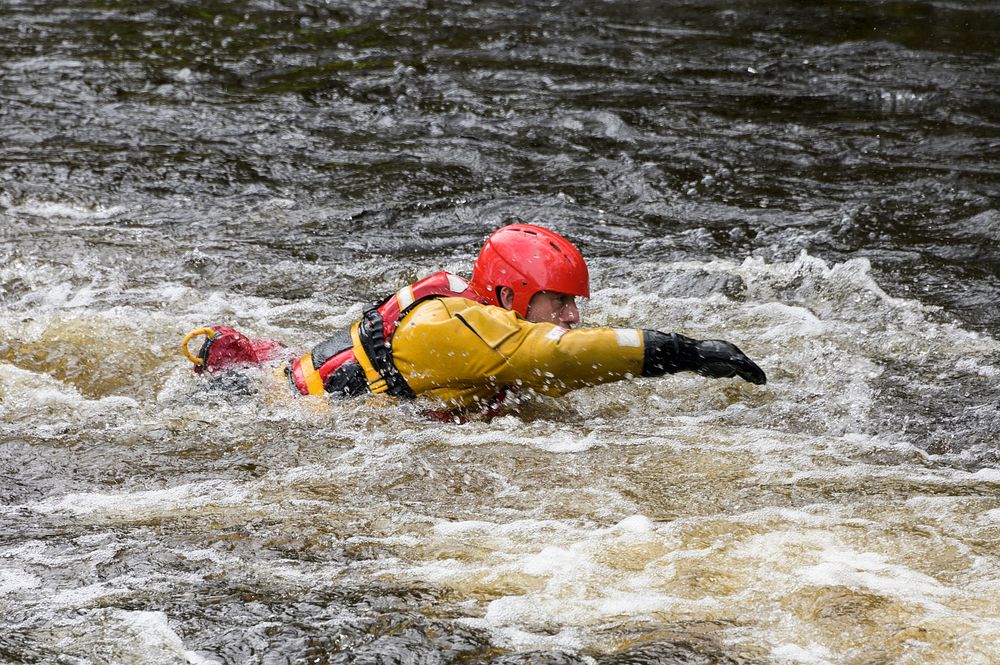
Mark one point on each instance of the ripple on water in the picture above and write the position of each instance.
(274, 166)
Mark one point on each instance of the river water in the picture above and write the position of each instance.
(817, 182)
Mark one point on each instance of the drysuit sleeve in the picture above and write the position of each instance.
(553, 360)
(458, 344)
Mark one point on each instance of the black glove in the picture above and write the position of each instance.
(666, 353)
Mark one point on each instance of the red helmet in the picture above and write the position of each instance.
(529, 259)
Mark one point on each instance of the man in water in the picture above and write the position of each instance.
(467, 346)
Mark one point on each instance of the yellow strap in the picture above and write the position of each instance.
(208, 332)
(314, 382)
(376, 384)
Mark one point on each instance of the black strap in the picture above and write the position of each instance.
(203, 354)
(379, 352)
(348, 380)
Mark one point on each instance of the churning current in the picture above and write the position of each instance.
(816, 182)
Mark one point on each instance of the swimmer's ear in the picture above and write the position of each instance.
(505, 296)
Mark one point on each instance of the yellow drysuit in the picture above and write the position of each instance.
(462, 353)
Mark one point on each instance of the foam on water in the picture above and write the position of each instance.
(811, 654)
(571, 574)
(584, 580)
(142, 504)
(17, 580)
(273, 165)
(865, 570)
(58, 210)
(154, 634)
(676, 501)
(131, 636)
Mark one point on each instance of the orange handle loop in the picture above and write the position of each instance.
(208, 332)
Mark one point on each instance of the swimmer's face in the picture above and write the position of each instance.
(553, 307)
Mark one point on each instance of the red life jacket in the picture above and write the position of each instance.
(331, 366)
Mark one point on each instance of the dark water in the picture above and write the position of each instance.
(717, 129)
(818, 180)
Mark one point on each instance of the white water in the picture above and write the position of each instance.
(800, 522)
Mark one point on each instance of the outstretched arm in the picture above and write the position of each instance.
(457, 350)
(588, 356)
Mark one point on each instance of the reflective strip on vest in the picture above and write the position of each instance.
(405, 297)
(376, 384)
(304, 373)
(456, 284)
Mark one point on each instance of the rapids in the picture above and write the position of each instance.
(816, 182)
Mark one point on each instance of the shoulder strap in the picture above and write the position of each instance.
(378, 325)
(382, 375)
